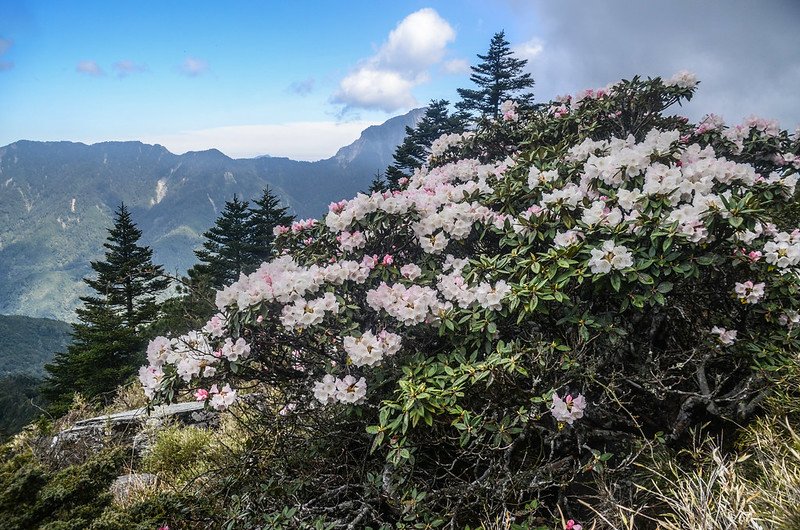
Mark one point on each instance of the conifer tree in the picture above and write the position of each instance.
(109, 336)
(499, 77)
(378, 183)
(127, 281)
(413, 152)
(266, 214)
(226, 250)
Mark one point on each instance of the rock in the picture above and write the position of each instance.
(131, 427)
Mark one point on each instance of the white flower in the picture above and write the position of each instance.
(725, 336)
(216, 326)
(568, 410)
(748, 292)
(325, 390)
(782, 252)
(610, 256)
(508, 109)
(411, 271)
(350, 391)
(222, 399)
(159, 350)
(683, 79)
(233, 351)
(567, 239)
(150, 377)
(369, 349)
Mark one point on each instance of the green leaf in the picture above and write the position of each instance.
(665, 287)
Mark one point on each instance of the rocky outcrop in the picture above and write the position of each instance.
(132, 428)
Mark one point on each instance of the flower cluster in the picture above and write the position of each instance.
(610, 256)
(749, 292)
(508, 110)
(347, 390)
(370, 349)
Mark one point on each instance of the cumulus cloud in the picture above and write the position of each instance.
(296, 140)
(127, 67)
(384, 81)
(193, 67)
(302, 88)
(529, 50)
(746, 54)
(456, 66)
(89, 68)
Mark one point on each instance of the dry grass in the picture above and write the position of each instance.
(757, 487)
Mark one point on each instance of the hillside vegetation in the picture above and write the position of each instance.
(573, 315)
(57, 199)
(27, 344)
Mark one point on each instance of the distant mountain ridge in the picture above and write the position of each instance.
(27, 344)
(57, 199)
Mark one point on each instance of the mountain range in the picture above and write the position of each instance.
(57, 201)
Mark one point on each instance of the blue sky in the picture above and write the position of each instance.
(302, 78)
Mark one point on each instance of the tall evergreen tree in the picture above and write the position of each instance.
(226, 250)
(413, 152)
(499, 77)
(110, 334)
(127, 281)
(266, 214)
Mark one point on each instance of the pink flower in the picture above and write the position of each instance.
(749, 292)
(568, 410)
(337, 207)
(572, 525)
(201, 394)
(369, 262)
(387, 260)
(402, 180)
(165, 527)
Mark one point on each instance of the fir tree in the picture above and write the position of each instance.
(226, 250)
(264, 217)
(499, 77)
(110, 334)
(413, 152)
(127, 281)
(378, 184)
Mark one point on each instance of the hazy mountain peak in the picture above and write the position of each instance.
(378, 140)
(57, 200)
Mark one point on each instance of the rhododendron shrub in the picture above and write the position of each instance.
(554, 289)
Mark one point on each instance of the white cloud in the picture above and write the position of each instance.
(193, 67)
(417, 42)
(385, 80)
(529, 50)
(127, 67)
(89, 68)
(456, 66)
(375, 88)
(297, 140)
